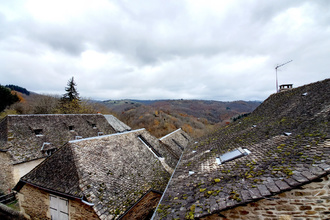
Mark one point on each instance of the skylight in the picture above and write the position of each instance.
(232, 155)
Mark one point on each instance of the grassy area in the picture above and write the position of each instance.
(14, 205)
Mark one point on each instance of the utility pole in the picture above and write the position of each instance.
(276, 73)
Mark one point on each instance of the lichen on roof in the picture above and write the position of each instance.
(277, 162)
(112, 172)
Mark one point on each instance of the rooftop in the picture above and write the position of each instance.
(112, 172)
(288, 140)
(23, 136)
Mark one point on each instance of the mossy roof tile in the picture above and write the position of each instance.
(277, 162)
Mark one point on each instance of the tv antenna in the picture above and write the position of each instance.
(276, 72)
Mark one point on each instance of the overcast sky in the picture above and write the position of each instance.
(173, 49)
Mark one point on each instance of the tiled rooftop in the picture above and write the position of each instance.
(278, 161)
(112, 172)
(23, 136)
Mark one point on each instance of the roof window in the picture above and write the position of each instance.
(232, 155)
(94, 126)
(38, 132)
(48, 148)
(71, 128)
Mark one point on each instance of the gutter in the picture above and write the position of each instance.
(85, 202)
(18, 188)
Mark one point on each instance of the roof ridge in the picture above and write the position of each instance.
(170, 133)
(103, 136)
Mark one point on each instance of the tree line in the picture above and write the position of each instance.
(22, 102)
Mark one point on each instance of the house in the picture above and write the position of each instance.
(272, 164)
(26, 140)
(113, 176)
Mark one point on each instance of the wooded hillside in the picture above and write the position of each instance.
(159, 117)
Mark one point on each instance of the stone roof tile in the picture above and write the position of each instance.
(25, 135)
(111, 171)
(276, 163)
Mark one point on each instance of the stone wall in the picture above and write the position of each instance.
(6, 177)
(144, 209)
(34, 204)
(79, 210)
(311, 201)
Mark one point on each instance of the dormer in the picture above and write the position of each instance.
(38, 132)
(48, 148)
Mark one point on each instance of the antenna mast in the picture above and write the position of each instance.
(276, 73)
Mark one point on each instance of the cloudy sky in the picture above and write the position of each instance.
(194, 49)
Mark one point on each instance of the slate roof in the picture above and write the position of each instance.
(23, 136)
(176, 141)
(288, 136)
(118, 125)
(111, 171)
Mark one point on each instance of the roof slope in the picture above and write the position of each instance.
(58, 173)
(111, 171)
(118, 125)
(176, 141)
(277, 162)
(23, 136)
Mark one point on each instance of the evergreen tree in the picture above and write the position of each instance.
(6, 98)
(70, 101)
(72, 93)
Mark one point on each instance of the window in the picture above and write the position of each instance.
(58, 208)
(232, 155)
(50, 151)
(38, 132)
(48, 148)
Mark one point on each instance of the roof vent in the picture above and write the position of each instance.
(78, 137)
(304, 94)
(287, 133)
(191, 172)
